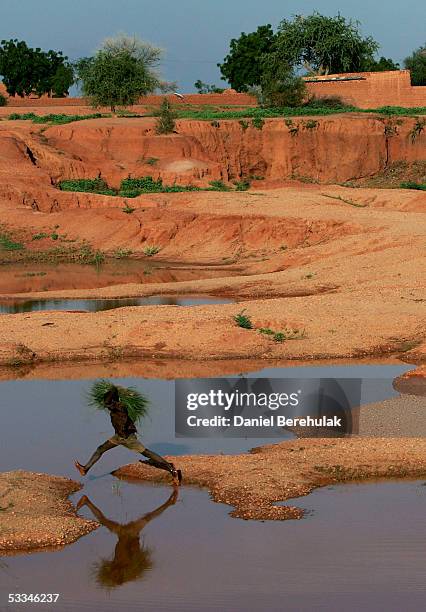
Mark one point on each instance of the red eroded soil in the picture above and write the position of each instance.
(346, 265)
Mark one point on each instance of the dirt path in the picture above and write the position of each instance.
(35, 512)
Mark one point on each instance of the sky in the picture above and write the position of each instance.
(195, 34)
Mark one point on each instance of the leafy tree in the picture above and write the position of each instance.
(279, 85)
(242, 67)
(122, 71)
(380, 65)
(323, 44)
(416, 64)
(204, 88)
(166, 119)
(26, 71)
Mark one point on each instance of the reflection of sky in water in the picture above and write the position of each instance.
(46, 424)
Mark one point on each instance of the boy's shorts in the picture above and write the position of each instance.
(132, 442)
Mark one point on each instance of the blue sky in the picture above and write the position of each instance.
(196, 33)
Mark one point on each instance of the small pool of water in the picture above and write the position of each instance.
(14, 307)
(31, 277)
(362, 547)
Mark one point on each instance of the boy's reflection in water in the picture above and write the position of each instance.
(131, 558)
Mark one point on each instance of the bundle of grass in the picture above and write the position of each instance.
(135, 402)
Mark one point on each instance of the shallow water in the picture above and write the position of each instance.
(360, 546)
(31, 277)
(13, 307)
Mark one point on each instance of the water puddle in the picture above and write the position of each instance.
(359, 546)
(96, 305)
(31, 277)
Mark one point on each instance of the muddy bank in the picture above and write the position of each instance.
(35, 512)
(254, 482)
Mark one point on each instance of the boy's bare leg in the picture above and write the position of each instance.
(160, 463)
(83, 469)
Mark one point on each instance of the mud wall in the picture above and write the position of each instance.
(231, 99)
(390, 88)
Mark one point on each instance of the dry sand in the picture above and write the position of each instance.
(35, 512)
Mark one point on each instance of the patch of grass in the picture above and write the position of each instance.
(87, 255)
(97, 185)
(244, 124)
(242, 185)
(413, 185)
(310, 125)
(39, 236)
(267, 331)
(218, 186)
(128, 209)
(258, 123)
(293, 129)
(149, 251)
(54, 119)
(287, 334)
(8, 244)
(206, 114)
(122, 253)
(243, 320)
(151, 161)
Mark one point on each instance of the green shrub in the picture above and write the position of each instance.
(87, 255)
(258, 123)
(87, 185)
(151, 161)
(243, 320)
(166, 119)
(242, 185)
(3, 100)
(413, 185)
(149, 251)
(8, 244)
(128, 209)
(334, 102)
(39, 236)
(218, 186)
(122, 253)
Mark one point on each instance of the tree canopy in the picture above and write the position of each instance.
(316, 43)
(416, 64)
(242, 67)
(324, 45)
(122, 71)
(28, 71)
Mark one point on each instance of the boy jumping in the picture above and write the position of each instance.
(125, 435)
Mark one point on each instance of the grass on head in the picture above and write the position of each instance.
(134, 401)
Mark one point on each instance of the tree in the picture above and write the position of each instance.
(323, 44)
(416, 64)
(279, 85)
(380, 65)
(122, 71)
(26, 71)
(242, 67)
(205, 88)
